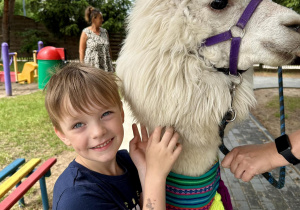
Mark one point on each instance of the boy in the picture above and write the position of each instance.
(86, 111)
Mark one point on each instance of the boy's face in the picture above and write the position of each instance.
(96, 137)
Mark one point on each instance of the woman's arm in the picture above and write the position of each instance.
(247, 161)
(82, 46)
(295, 142)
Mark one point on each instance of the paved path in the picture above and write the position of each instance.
(258, 193)
(271, 82)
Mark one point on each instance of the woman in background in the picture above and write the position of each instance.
(94, 46)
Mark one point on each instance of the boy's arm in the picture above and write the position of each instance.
(161, 154)
(154, 163)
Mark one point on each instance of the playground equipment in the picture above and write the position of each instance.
(17, 174)
(26, 74)
(13, 75)
(5, 56)
(48, 58)
(44, 60)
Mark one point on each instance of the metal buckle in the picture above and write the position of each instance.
(237, 76)
(241, 31)
(232, 113)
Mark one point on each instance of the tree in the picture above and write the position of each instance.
(66, 17)
(63, 17)
(293, 4)
(114, 13)
(8, 8)
(17, 8)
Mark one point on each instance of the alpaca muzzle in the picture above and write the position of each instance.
(235, 36)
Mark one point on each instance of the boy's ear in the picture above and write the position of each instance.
(62, 137)
(122, 114)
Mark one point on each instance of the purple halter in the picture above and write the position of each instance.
(235, 41)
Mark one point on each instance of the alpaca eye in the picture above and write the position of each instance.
(219, 4)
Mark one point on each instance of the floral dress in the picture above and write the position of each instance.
(97, 50)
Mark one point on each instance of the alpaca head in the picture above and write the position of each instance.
(170, 78)
(272, 35)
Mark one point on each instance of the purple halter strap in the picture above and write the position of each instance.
(235, 41)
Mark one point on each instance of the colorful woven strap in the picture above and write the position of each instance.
(186, 192)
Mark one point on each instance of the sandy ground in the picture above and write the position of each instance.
(18, 89)
(267, 116)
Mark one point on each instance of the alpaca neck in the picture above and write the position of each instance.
(195, 160)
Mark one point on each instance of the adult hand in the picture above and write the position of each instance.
(247, 161)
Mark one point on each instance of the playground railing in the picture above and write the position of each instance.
(16, 174)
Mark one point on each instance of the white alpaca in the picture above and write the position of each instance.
(170, 79)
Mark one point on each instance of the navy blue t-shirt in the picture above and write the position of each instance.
(79, 188)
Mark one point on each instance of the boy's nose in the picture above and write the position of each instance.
(98, 130)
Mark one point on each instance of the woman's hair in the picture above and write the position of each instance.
(80, 86)
(91, 13)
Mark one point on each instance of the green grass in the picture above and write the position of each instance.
(12, 68)
(25, 129)
(290, 105)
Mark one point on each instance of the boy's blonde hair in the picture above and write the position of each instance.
(80, 86)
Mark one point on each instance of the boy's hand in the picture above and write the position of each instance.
(137, 147)
(161, 153)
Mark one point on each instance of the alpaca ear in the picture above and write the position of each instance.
(62, 137)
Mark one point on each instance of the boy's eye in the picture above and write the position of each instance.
(106, 113)
(78, 125)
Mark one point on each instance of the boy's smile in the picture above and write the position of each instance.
(95, 136)
(103, 146)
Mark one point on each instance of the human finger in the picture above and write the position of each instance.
(226, 162)
(239, 171)
(233, 166)
(247, 176)
(169, 132)
(177, 151)
(155, 136)
(136, 134)
(144, 132)
(173, 142)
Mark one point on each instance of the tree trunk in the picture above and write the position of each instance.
(5, 22)
(8, 13)
(11, 11)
